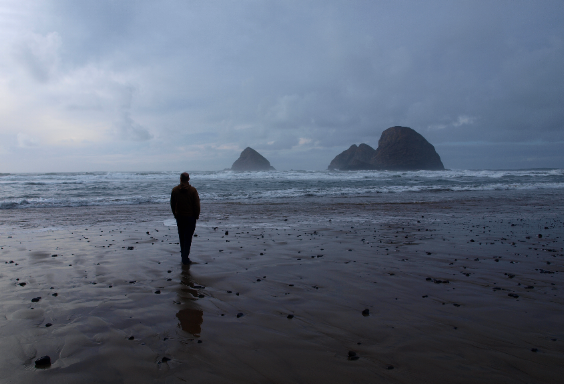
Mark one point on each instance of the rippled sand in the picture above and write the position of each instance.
(460, 292)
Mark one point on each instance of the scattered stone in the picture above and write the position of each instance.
(56, 294)
(130, 248)
(534, 350)
(353, 355)
(48, 325)
(366, 312)
(226, 233)
(43, 362)
(240, 314)
(539, 236)
(54, 255)
(131, 338)
(158, 292)
(389, 366)
(513, 295)
(200, 341)
(35, 299)
(22, 284)
(165, 359)
(290, 316)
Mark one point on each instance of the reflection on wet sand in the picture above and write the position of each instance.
(191, 316)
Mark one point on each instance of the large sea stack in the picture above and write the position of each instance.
(403, 149)
(251, 160)
(399, 149)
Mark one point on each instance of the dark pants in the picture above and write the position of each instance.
(186, 227)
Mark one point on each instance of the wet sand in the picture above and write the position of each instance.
(457, 292)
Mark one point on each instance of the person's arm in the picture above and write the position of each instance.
(196, 204)
(172, 202)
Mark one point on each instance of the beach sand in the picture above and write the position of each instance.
(456, 292)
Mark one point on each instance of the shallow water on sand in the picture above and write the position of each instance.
(458, 291)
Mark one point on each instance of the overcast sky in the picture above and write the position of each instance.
(187, 85)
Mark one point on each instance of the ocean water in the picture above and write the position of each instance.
(50, 190)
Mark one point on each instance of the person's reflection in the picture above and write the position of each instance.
(190, 317)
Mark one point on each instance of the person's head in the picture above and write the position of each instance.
(184, 177)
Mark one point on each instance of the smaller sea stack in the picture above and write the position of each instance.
(251, 160)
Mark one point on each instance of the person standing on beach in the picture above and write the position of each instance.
(185, 205)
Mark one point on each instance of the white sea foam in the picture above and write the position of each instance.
(127, 188)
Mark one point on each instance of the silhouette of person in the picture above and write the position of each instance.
(185, 205)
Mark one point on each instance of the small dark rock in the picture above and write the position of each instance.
(240, 314)
(226, 233)
(165, 359)
(131, 338)
(130, 248)
(539, 236)
(48, 325)
(534, 350)
(513, 295)
(54, 255)
(366, 312)
(22, 284)
(56, 294)
(158, 292)
(199, 341)
(43, 362)
(290, 316)
(389, 366)
(353, 355)
(35, 299)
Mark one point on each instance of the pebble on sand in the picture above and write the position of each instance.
(43, 362)
(353, 355)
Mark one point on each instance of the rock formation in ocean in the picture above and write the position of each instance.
(251, 160)
(403, 149)
(399, 149)
(353, 159)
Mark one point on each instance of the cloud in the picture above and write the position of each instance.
(151, 80)
(26, 141)
(39, 55)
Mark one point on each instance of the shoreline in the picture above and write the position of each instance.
(322, 263)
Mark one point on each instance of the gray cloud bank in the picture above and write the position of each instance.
(140, 85)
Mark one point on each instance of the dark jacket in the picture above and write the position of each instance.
(184, 201)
